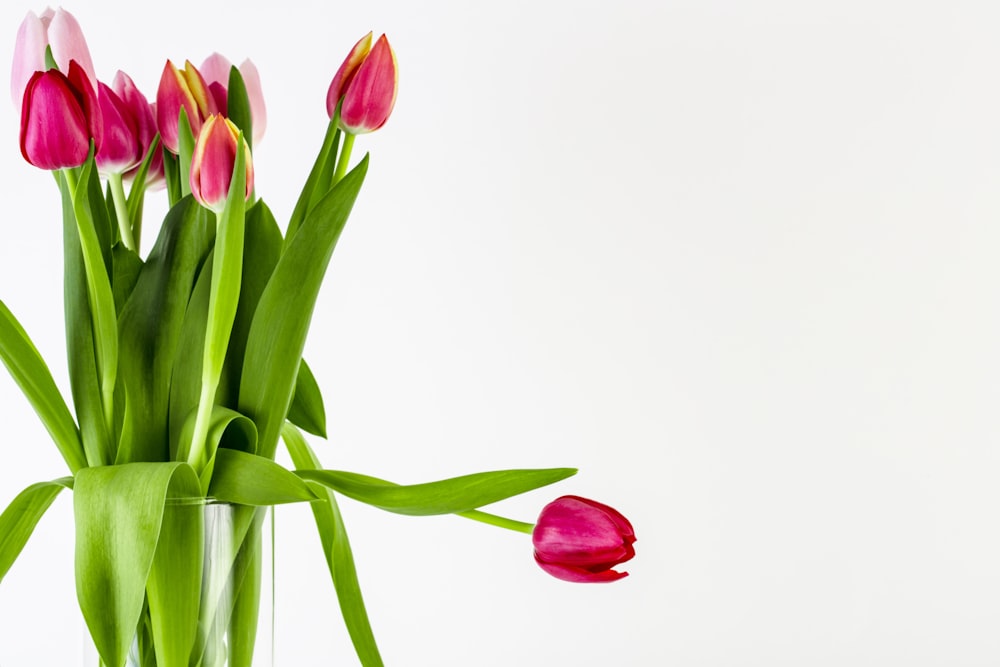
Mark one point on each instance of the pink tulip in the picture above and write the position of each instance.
(216, 68)
(58, 29)
(122, 148)
(182, 89)
(214, 161)
(59, 117)
(141, 111)
(580, 540)
(366, 82)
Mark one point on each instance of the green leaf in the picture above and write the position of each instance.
(227, 429)
(307, 411)
(18, 521)
(126, 272)
(137, 193)
(118, 512)
(238, 105)
(248, 479)
(278, 333)
(318, 180)
(31, 374)
(339, 557)
(83, 378)
(151, 325)
(448, 496)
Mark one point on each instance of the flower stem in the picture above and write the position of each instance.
(121, 211)
(502, 522)
(345, 157)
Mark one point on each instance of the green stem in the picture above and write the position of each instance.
(121, 212)
(345, 157)
(494, 520)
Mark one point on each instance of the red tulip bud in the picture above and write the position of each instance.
(214, 161)
(59, 117)
(580, 540)
(367, 82)
(145, 118)
(122, 148)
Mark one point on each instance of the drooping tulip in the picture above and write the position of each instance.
(59, 118)
(56, 29)
(215, 71)
(580, 540)
(142, 112)
(214, 161)
(182, 89)
(367, 82)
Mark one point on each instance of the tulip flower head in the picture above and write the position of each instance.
(122, 146)
(214, 161)
(142, 112)
(56, 29)
(182, 89)
(59, 118)
(580, 540)
(215, 71)
(366, 82)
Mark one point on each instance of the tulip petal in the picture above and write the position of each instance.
(371, 94)
(68, 43)
(251, 79)
(579, 575)
(86, 91)
(54, 132)
(342, 79)
(29, 55)
(215, 69)
(121, 149)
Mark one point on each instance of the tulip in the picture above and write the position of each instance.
(142, 112)
(122, 148)
(214, 161)
(57, 29)
(182, 89)
(215, 70)
(580, 540)
(367, 83)
(59, 118)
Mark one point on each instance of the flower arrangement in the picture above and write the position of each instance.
(186, 367)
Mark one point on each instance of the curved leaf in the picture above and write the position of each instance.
(339, 557)
(247, 479)
(18, 521)
(31, 374)
(307, 411)
(448, 496)
(118, 512)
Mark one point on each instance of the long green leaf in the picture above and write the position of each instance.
(247, 479)
(238, 105)
(83, 378)
(18, 521)
(448, 496)
(317, 180)
(307, 411)
(339, 557)
(31, 374)
(151, 322)
(278, 333)
(118, 512)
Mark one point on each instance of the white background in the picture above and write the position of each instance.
(738, 262)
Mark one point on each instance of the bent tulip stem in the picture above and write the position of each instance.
(121, 212)
(502, 522)
(345, 157)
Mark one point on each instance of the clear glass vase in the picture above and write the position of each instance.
(222, 617)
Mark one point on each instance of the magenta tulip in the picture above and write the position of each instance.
(122, 148)
(59, 117)
(580, 540)
(182, 89)
(215, 70)
(366, 82)
(57, 29)
(214, 161)
(142, 112)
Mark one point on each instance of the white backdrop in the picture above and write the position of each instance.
(736, 261)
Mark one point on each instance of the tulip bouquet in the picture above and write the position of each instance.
(185, 365)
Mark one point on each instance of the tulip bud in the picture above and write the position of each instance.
(580, 540)
(214, 161)
(121, 149)
(215, 70)
(366, 82)
(59, 117)
(182, 89)
(142, 112)
(56, 29)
